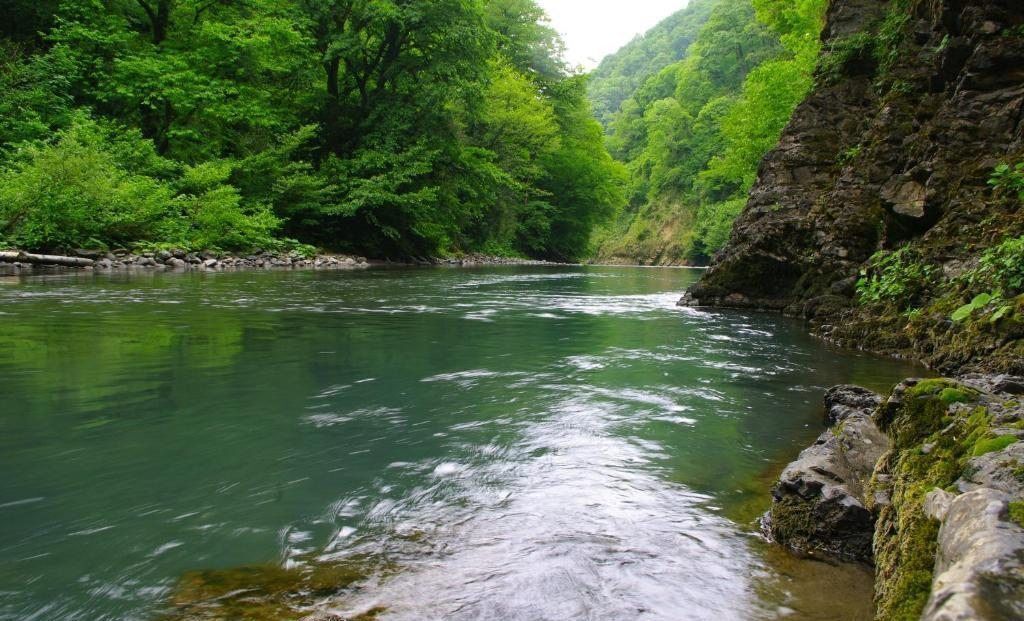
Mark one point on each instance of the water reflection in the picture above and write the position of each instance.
(498, 443)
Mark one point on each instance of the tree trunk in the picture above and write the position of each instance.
(43, 259)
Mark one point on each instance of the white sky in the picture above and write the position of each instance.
(592, 29)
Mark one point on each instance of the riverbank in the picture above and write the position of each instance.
(13, 263)
(926, 484)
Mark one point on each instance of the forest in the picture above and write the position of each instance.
(693, 130)
(394, 128)
(390, 128)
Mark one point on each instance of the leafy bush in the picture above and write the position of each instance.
(99, 186)
(73, 192)
(1004, 265)
(894, 278)
(1001, 271)
(1009, 178)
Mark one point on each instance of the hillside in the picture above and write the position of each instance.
(692, 134)
(620, 74)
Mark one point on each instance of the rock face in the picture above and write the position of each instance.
(979, 570)
(929, 484)
(818, 504)
(884, 151)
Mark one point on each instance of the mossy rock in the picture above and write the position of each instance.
(936, 429)
(1017, 512)
(260, 592)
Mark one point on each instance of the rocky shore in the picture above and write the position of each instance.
(874, 219)
(18, 262)
(927, 484)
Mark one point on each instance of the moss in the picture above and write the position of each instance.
(906, 539)
(991, 445)
(1017, 512)
(261, 592)
(925, 410)
(948, 391)
(792, 521)
(950, 396)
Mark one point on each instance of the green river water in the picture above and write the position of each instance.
(497, 443)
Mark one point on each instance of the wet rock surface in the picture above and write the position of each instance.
(930, 480)
(818, 504)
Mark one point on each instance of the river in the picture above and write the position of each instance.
(496, 443)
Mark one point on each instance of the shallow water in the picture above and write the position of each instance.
(502, 443)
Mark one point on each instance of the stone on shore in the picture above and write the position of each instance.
(818, 503)
(979, 568)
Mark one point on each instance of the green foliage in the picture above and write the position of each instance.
(844, 53)
(693, 133)
(620, 74)
(897, 278)
(388, 127)
(101, 186)
(868, 52)
(1009, 178)
(1000, 271)
(891, 33)
(979, 302)
(715, 225)
(850, 155)
(75, 191)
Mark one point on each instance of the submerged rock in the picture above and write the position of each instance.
(267, 592)
(818, 503)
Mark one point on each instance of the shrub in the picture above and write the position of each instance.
(894, 277)
(96, 186)
(1009, 178)
(72, 192)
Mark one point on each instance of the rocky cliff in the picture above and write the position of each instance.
(917, 102)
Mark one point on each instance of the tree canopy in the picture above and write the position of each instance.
(693, 133)
(394, 128)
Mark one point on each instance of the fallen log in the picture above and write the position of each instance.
(43, 259)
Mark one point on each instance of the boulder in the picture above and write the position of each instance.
(979, 568)
(818, 503)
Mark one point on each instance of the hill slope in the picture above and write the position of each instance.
(692, 133)
(620, 74)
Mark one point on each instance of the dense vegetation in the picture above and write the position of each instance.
(388, 127)
(693, 133)
(620, 74)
